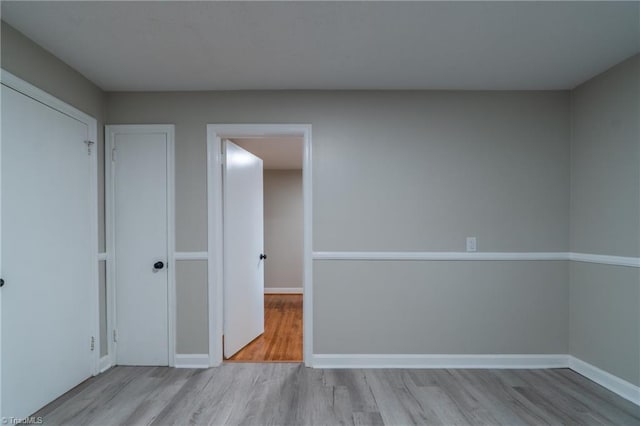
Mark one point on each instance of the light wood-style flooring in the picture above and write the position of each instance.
(282, 338)
(290, 394)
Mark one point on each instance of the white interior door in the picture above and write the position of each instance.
(141, 245)
(243, 248)
(47, 254)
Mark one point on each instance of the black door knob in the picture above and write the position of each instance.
(263, 256)
(1, 282)
(158, 265)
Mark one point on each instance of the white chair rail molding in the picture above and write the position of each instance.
(477, 256)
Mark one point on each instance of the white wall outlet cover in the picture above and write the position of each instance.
(471, 244)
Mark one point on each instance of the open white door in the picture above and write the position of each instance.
(48, 254)
(243, 248)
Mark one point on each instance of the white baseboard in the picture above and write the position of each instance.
(104, 364)
(613, 383)
(192, 361)
(438, 361)
(283, 290)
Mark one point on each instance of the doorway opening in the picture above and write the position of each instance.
(259, 190)
(282, 248)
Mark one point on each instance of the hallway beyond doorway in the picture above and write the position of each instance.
(282, 338)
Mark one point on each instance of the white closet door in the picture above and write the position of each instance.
(141, 243)
(243, 248)
(46, 254)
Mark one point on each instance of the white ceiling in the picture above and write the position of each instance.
(182, 45)
(282, 153)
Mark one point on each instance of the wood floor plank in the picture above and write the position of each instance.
(291, 394)
(282, 337)
(473, 410)
(88, 403)
(611, 408)
(444, 408)
(316, 401)
(180, 408)
(172, 380)
(510, 406)
(124, 403)
(396, 404)
(86, 388)
(218, 398)
(501, 388)
(367, 419)
(355, 383)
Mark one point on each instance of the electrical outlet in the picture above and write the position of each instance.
(471, 244)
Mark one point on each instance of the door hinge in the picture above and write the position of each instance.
(115, 335)
(113, 154)
(93, 343)
(89, 145)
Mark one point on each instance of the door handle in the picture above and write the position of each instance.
(157, 266)
(263, 256)
(1, 282)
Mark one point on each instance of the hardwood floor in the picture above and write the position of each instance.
(290, 394)
(282, 338)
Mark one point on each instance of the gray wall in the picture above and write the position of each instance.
(443, 307)
(401, 171)
(604, 318)
(283, 228)
(605, 219)
(191, 305)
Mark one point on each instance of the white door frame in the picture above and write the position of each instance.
(111, 131)
(215, 133)
(31, 91)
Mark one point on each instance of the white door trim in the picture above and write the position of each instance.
(215, 132)
(110, 132)
(27, 89)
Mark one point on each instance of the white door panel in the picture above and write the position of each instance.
(141, 239)
(47, 308)
(243, 245)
